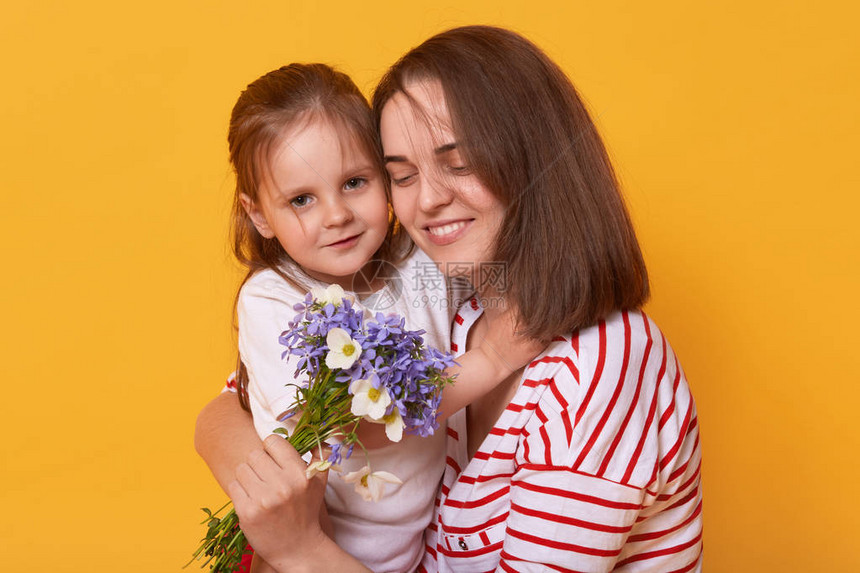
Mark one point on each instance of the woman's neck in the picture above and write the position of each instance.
(493, 303)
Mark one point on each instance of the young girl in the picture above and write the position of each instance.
(311, 209)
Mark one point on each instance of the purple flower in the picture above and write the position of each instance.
(393, 360)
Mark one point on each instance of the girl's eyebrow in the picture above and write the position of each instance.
(290, 192)
(357, 166)
(438, 151)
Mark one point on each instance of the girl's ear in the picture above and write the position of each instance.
(256, 216)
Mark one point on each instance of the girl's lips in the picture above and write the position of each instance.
(446, 232)
(345, 243)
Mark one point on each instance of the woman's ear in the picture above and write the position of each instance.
(257, 217)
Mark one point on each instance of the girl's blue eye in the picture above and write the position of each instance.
(300, 201)
(354, 183)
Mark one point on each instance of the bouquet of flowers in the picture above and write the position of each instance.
(349, 369)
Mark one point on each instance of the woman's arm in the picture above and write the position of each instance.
(260, 566)
(225, 436)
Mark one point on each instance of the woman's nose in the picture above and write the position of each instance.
(434, 194)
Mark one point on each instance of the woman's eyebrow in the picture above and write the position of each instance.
(446, 148)
(438, 151)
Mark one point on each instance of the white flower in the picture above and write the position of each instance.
(370, 485)
(369, 401)
(343, 351)
(393, 425)
(320, 466)
(333, 294)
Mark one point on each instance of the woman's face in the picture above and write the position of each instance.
(446, 210)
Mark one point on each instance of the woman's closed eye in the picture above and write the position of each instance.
(459, 169)
(402, 179)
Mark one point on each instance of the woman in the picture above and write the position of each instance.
(589, 458)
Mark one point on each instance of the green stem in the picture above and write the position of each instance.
(325, 410)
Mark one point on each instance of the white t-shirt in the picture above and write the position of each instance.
(386, 535)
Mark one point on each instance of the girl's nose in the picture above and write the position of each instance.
(338, 212)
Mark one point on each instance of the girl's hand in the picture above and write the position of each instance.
(279, 507)
(504, 346)
(495, 354)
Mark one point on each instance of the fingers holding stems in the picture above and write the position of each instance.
(276, 501)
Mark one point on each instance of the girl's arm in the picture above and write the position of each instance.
(278, 510)
(500, 353)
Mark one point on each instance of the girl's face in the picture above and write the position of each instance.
(324, 200)
(446, 210)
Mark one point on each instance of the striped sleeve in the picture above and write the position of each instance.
(568, 520)
(608, 473)
(230, 385)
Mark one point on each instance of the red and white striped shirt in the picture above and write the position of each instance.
(593, 466)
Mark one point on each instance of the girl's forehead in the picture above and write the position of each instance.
(339, 140)
(308, 126)
(317, 152)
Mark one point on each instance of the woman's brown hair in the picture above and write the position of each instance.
(566, 239)
(279, 100)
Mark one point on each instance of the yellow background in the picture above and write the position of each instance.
(734, 126)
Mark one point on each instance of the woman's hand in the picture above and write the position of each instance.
(279, 511)
(277, 505)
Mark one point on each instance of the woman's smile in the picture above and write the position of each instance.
(445, 233)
